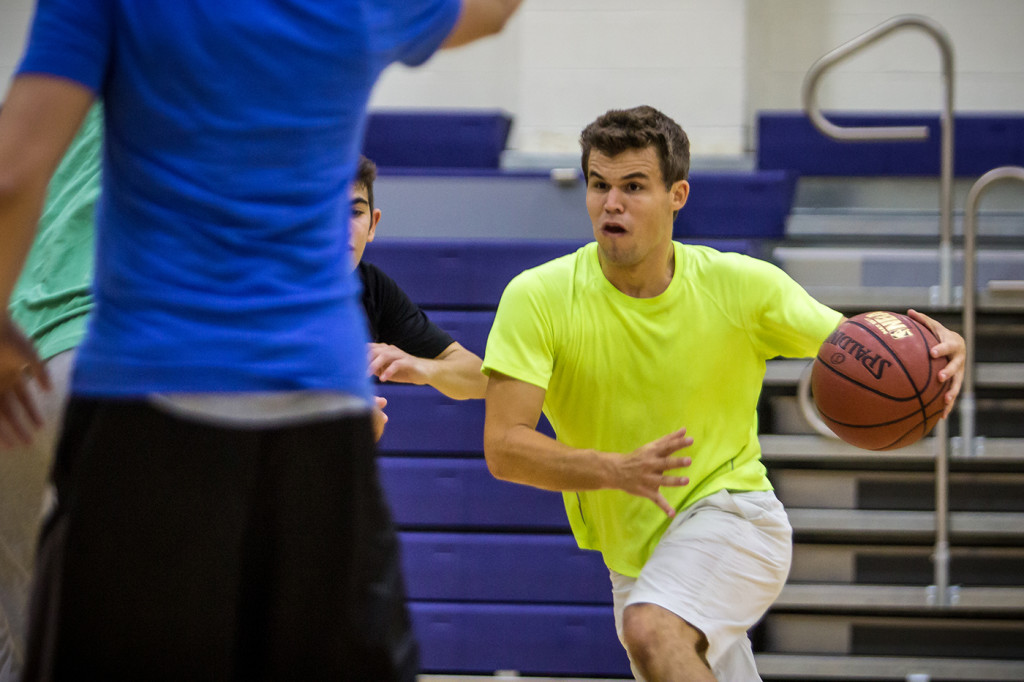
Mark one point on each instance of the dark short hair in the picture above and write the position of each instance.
(366, 173)
(619, 130)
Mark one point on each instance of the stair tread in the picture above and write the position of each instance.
(885, 597)
(800, 447)
(903, 297)
(1002, 524)
(821, 667)
(987, 374)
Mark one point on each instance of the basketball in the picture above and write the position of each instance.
(875, 383)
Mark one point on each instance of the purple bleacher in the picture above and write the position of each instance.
(472, 274)
(437, 138)
(982, 141)
(468, 327)
(532, 639)
(446, 142)
(421, 420)
(502, 567)
(425, 422)
(449, 493)
(737, 205)
(460, 274)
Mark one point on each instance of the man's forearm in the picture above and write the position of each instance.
(18, 217)
(479, 19)
(521, 454)
(456, 374)
(37, 122)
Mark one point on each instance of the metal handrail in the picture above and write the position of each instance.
(806, 402)
(941, 555)
(967, 406)
(889, 133)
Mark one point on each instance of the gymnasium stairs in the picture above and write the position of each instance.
(861, 602)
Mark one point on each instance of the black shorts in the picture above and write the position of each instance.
(186, 551)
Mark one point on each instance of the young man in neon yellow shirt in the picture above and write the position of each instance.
(647, 356)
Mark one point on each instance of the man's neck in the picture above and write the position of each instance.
(646, 279)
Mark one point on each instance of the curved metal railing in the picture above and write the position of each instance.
(967, 406)
(889, 133)
(826, 127)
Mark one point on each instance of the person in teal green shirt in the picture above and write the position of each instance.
(51, 304)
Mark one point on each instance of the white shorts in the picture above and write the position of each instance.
(719, 566)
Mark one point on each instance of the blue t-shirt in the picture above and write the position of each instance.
(232, 132)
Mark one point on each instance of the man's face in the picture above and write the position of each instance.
(630, 209)
(362, 224)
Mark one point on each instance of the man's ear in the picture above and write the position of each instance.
(680, 192)
(374, 219)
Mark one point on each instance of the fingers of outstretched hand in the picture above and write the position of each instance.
(380, 419)
(663, 504)
(388, 372)
(952, 393)
(377, 363)
(670, 442)
(14, 430)
(650, 463)
(27, 403)
(38, 371)
(390, 363)
(7, 439)
(951, 346)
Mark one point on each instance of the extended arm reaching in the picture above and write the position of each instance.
(479, 19)
(455, 372)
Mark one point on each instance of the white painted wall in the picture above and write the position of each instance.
(14, 20)
(560, 63)
(709, 63)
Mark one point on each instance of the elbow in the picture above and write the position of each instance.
(497, 463)
(497, 17)
(496, 26)
(479, 390)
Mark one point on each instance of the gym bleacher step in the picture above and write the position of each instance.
(856, 276)
(898, 490)
(786, 372)
(943, 635)
(797, 667)
(909, 226)
(876, 668)
(778, 449)
(905, 526)
(900, 298)
(892, 599)
(905, 565)
(861, 265)
(510, 676)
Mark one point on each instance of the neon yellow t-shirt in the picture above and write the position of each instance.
(620, 372)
